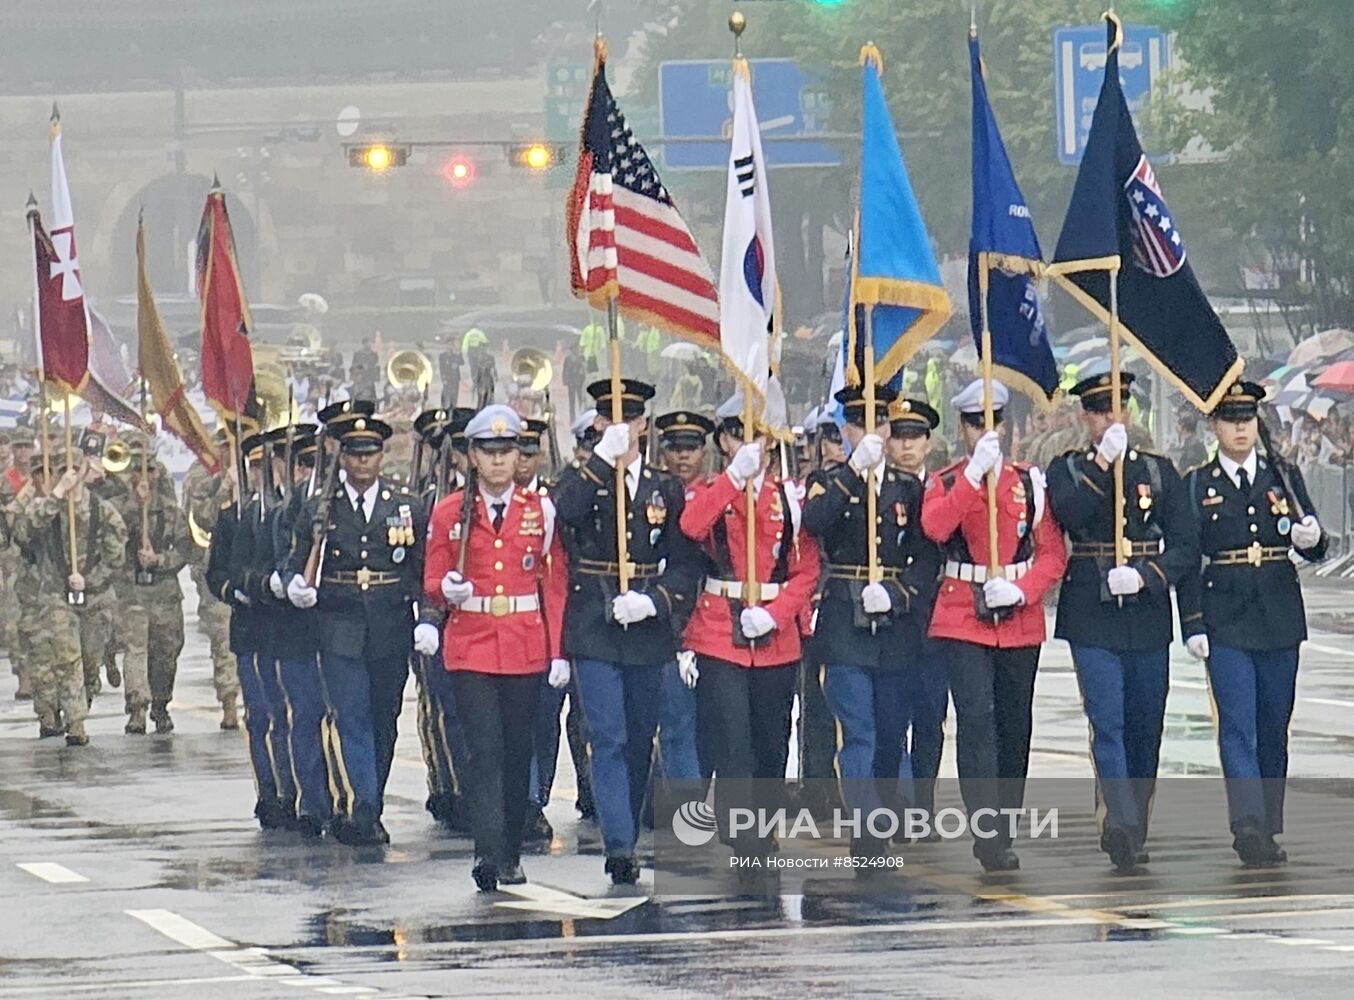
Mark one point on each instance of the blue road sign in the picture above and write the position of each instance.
(694, 98)
(1079, 56)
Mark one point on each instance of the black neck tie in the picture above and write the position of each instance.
(1244, 480)
(499, 507)
(362, 508)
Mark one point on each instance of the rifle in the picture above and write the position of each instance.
(1280, 468)
(472, 486)
(320, 525)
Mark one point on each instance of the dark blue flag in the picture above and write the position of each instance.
(1004, 232)
(1118, 210)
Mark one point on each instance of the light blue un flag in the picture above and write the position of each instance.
(894, 275)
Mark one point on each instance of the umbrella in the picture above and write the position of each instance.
(682, 351)
(1280, 374)
(1295, 390)
(1320, 407)
(1325, 344)
(966, 356)
(1094, 345)
(1339, 376)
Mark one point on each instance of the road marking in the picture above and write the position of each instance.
(102, 985)
(1336, 702)
(255, 962)
(50, 871)
(1300, 942)
(537, 897)
(1323, 648)
(1187, 904)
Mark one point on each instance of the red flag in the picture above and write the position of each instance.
(62, 323)
(227, 359)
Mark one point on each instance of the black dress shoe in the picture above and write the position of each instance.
(485, 874)
(1144, 858)
(1274, 854)
(309, 827)
(1119, 846)
(512, 875)
(1004, 860)
(623, 869)
(272, 814)
(537, 829)
(1250, 847)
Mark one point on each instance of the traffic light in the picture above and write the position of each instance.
(378, 157)
(536, 155)
(459, 171)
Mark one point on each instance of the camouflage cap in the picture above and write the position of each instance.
(24, 437)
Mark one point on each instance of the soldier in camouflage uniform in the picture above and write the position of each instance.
(72, 635)
(203, 497)
(152, 600)
(10, 569)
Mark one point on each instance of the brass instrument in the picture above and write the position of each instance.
(532, 362)
(410, 368)
(274, 398)
(117, 457)
(202, 537)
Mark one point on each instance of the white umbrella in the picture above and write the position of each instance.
(966, 356)
(682, 351)
(1095, 345)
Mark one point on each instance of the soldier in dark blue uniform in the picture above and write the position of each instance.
(1244, 614)
(368, 578)
(870, 633)
(1116, 613)
(231, 562)
(911, 422)
(620, 640)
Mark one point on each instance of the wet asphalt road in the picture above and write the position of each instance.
(133, 868)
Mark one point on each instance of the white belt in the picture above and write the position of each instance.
(733, 589)
(973, 573)
(500, 605)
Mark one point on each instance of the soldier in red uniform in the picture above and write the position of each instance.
(989, 628)
(504, 623)
(747, 651)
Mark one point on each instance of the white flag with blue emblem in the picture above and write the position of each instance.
(747, 273)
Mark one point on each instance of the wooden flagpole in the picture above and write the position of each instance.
(1117, 412)
(145, 476)
(871, 500)
(617, 417)
(70, 497)
(989, 412)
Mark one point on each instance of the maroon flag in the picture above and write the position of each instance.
(62, 323)
(227, 358)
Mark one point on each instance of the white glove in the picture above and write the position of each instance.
(867, 454)
(876, 599)
(986, 457)
(632, 607)
(243, 598)
(275, 585)
(456, 589)
(1306, 533)
(560, 673)
(615, 443)
(1197, 646)
(425, 639)
(1002, 593)
(301, 595)
(1113, 443)
(1125, 581)
(795, 490)
(746, 463)
(756, 622)
(686, 668)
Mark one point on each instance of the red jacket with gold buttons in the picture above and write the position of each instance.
(711, 630)
(952, 506)
(523, 558)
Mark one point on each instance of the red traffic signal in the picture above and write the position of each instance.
(459, 171)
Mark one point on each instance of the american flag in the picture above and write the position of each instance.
(626, 238)
(1158, 248)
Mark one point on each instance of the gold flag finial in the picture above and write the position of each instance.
(870, 54)
(1115, 20)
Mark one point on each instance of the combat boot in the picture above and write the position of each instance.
(110, 667)
(49, 727)
(136, 721)
(24, 692)
(159, 713)
(230, 717)
(75, 735)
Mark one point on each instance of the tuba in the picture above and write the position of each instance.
(117, 457)
(533, 363)
(410, 368)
